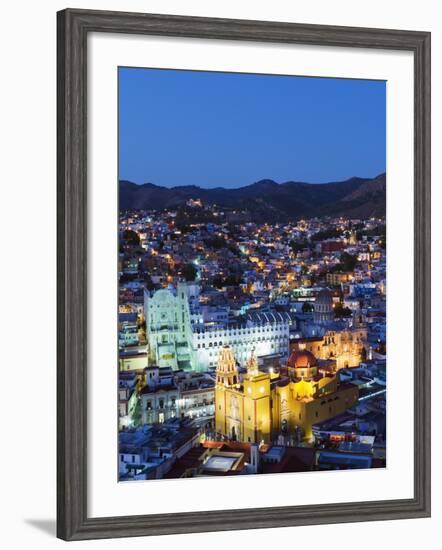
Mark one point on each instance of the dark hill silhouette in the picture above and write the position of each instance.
(267, 200)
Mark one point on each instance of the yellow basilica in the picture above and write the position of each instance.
(262, 405)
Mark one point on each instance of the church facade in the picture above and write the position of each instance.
(343, 342)
(346, 347)
(263, 406)
(168, 328)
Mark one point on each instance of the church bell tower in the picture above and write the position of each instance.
(226, 371)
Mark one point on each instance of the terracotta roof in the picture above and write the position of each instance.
(301, 359)
(189, 460)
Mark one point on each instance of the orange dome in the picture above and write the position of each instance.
(301, 360)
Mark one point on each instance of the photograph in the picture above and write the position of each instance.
(252, 253)
(219, 219)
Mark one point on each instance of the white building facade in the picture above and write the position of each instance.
(183, 335)
(266, 335)
(169, 327)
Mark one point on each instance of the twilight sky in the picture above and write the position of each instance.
(221, 129)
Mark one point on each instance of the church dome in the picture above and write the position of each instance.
(324, 297)
(301, 359)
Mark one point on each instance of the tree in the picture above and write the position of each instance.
(297, 246)
(149, 282)
(215, 242)
(189, 272)
(234, 250)
(218, 281)
(348, 261)
(341, 311)
(381, 348)
(232, 279)
(131, 237)
(136, 413)
(127, 277)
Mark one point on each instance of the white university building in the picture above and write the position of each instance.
(183, 335)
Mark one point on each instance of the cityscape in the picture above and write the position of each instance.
(251, 327)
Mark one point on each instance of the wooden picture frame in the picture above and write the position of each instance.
(73, 28)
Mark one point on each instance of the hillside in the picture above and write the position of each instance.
(267, 200)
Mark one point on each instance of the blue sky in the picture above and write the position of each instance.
(225, 129)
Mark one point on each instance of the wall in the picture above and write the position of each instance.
(28, 231)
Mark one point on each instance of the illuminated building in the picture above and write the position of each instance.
(127, 400)
(133, 359)
(338, 277)
(183, 335)
(168, 326)
(263, 406)
(346, 346)
(128, 335)
(159, 404)
(353, 238)
(178, 395)
(265, 333)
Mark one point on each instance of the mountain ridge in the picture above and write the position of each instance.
(267, 200)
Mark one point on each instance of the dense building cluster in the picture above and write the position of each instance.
(249, 345)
